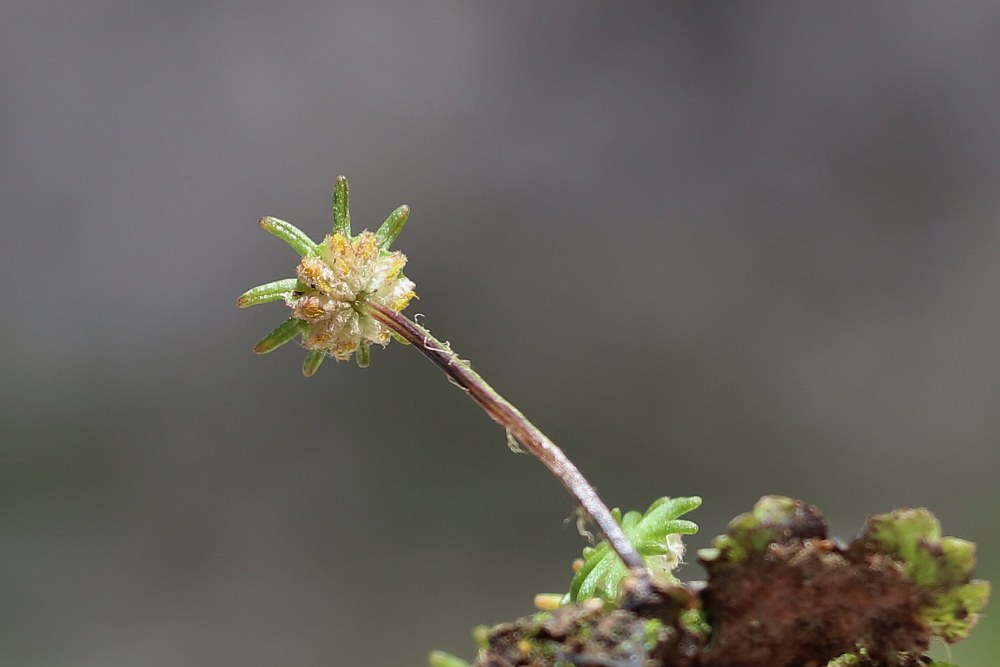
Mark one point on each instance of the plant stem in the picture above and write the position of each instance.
(518, 427)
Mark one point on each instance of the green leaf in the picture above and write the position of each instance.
(276, 291)
(363, 355)
(393, 225)
(341, 207)
(442, 659)
(290, 234)
(280, 335)
(312, 362)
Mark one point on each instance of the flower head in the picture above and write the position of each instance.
(340, 280)
(336, 283)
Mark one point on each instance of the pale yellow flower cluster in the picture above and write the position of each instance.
(341, 280)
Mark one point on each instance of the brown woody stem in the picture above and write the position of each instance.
(518, 427)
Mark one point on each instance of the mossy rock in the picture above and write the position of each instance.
(779, 593)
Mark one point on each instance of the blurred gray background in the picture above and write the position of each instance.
(710, 248)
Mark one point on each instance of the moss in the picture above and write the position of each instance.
(586, 633)
(773, 519)
(845, 660)
(942, 567)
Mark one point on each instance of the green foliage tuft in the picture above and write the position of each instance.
(655, 535)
